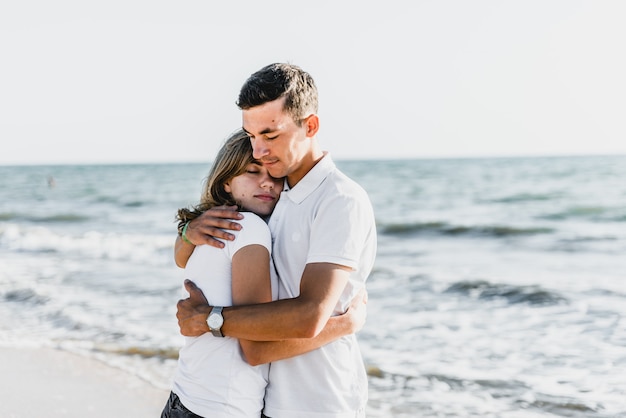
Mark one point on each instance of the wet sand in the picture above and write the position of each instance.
(44, 382)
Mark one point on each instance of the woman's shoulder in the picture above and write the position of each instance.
(251, 217)
(254, 231)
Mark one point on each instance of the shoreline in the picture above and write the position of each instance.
(55, 383)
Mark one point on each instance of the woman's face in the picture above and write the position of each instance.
(255, 190)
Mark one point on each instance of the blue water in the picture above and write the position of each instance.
(499, 288)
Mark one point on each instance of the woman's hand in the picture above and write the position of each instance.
(356, 314)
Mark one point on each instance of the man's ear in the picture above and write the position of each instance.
(312, 123)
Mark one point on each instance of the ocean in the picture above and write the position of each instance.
(499, 288)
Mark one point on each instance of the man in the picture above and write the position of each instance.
(324, 245)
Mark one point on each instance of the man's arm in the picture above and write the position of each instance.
(251, 284)
(261, 352)
(204, 229)
(301, 317)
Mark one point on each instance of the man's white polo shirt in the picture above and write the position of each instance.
(325, 218)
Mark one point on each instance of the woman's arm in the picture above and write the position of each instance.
(251, 285)
(182, 252)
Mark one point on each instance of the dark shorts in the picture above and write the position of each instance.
(175, 409)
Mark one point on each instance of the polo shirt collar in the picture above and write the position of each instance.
(311, 180)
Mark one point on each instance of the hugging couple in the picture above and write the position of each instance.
(276, 256)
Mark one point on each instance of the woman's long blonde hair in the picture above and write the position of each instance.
(231, 161)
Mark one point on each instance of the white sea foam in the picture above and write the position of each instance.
(135, 247)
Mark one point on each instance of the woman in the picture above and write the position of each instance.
(214, 377)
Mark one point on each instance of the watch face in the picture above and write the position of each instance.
(215, 321)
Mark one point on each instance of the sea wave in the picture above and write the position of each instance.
(136, 247)
(121, 201)
(589, 213)
(525, 197)
(25, 295)
(516, 393)
(482, 289)
(562, 406)
(173, 352)
(444, 228)
(60, 217)
(145, 352)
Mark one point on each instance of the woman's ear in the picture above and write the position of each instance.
(227, 187)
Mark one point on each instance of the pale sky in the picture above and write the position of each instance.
(156, 81)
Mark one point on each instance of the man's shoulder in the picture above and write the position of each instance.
(345, 185)
(343, 196)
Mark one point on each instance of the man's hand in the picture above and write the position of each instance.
(357, 311)
(192, 312)
(213, 224)
(204, 229)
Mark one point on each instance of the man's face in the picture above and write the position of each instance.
(277, 142)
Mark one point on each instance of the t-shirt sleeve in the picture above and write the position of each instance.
(254, 231)
(340, 230)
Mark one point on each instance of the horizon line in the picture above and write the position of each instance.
(343, 159)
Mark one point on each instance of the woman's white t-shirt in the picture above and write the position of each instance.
(212, 378)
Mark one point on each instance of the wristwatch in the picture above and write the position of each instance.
(215, 321)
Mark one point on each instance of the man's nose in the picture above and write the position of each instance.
(259, 148)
